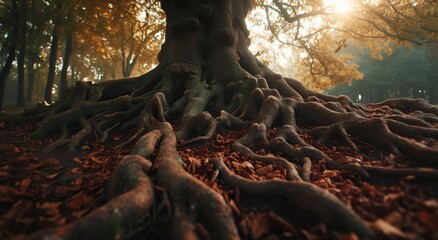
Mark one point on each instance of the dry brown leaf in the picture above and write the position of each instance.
(350, 236)
(392, 196)
(195, 161)
(265, 170)
(76, 170)
(429, 220)
(77, 160)
(248, 165)
(24, 184)
(50, 161)
(259, 225)
(79, 200)
(431, 203)
(80, 213)
(330, 173)
(64, 190)
(52, 176)
(8, 148)
(50, 205)
(390, 230)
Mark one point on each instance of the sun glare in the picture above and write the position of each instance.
(341, 6)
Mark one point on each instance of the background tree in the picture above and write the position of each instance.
(405, 73)
(9, 14)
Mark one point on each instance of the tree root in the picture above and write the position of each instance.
(328, 208)
(133, 197)
(192, 201)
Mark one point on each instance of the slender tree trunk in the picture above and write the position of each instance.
(30, 80)
(380, 94)
(4, 73)
(73, 73)
(433, 94)
(21, 55)
(129, 66)
(52, 65)
(52, 59)
(66, 63)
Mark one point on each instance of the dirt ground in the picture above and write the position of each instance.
(40, 190)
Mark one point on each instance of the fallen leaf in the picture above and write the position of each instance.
(8, 148)
(80, 213)
(330, 173)
(50, 161)
(391, 197)
(76, 170)
(24, 184)
(390, 230)
(429, 220)
(431, 203)
(350, 236)
(264, 170)
(52, 176)
(248, 165)
(50, 205)
(77, 160)
(79, 200)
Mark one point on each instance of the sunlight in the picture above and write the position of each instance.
(340, 6)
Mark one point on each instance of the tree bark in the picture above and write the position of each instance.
(30, 80)
(52, 58)
(4, 73)
(21, 55)
(66, 63)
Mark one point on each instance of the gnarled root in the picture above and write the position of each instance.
(133, 197)
(192, 201)
(328, 208)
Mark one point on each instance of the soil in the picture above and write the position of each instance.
(40, 190)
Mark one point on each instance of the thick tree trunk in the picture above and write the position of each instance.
(21, 102)
(66, 63)
(6, 69)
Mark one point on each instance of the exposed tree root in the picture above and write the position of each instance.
(329, 208)
(133, 197)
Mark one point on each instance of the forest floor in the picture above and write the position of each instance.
(39, 190)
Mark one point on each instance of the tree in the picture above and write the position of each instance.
(21, 102)
(12, 36)
(208, 79)
(405, 73)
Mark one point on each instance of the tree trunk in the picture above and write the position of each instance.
(380, 93)
(52, 58)
(52, 65)
(30, 80)
(21, 102)
(4, 73)
(66, 63)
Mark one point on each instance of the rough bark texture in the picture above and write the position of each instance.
(209, 79)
